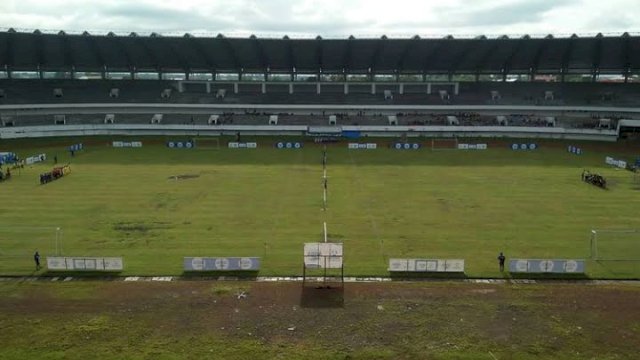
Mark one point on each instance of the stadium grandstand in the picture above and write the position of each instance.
(83, 79)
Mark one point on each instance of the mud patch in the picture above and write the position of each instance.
(183, 177)
(140, 228)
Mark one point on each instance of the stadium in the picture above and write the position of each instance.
(322, 165)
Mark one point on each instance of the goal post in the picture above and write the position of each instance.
(207, 143)
(615, 244)
(19, 243)
(444, 143)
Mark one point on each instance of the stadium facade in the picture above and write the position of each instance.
(187, 57)
(581, 87)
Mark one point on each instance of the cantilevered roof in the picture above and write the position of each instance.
(20, 51)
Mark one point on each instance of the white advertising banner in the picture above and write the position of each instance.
(127, 144)
(367, 146)
(35, 159)
(242, 145)
(323, 255)
(426, 265)
(614, 162)
(472, 146)
(85, 263)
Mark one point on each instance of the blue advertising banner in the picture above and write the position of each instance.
(181, 144)
(76, 147)
(554, 266)
(406, 146)
(525, 147)
(288, 145)
(351, 134)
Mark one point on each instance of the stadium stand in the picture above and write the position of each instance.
(63, 68)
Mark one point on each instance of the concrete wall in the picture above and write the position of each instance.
(387, 131)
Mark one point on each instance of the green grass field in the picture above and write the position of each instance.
(267, 202)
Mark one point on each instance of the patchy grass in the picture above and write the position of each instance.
(267, 203)
(189, 320)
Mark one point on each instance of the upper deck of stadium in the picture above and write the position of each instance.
(190, 55)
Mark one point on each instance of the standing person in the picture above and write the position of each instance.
(55, 159)
(36, 259)
(501, 259)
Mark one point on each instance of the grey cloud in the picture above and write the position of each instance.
(328, 18)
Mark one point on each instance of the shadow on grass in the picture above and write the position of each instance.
(102, 275)
(220, 275)
(412, 276)
(315, 295)
(533, 276)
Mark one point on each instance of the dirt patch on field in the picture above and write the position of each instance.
(183, 177)
(426, 318)
(128, 227)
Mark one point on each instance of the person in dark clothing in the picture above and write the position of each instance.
(238, 136)
(55, 159)
(501, 259)
(36, 259)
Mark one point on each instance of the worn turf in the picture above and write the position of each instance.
(196, 320)
(155, 205)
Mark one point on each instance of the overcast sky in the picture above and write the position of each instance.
(328, 18)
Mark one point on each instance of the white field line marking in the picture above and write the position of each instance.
(325, 231)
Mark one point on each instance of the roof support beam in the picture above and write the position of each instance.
(211, 63)
(234, 56)
(626, 55)
(9, 52)
(463, 55)
(262, 57)
(566, 57)
(431, 55)
(415, 41)
(91, 42)
(154, 59)
(377, 53)
(319, 56)
(69, 60)
(536, 59)
(595, 58)
(118, 43)
(508, 63)
(290, 57)
(482, 61)
(40, 53)
(184, 62)
(346, 60)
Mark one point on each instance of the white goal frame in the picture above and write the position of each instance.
(453, 140)
(203, 142)
(594, 242)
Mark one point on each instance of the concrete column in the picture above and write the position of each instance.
(456, 88)
(208, 87)
(428, 88)
(373, 88)
(346, 88)
(264, 88)
(291, 88)
(180, 86)
(401, 89)
(235, 87)
(318, 88)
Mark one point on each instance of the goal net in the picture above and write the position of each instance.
(19, 243)
(207, 143)
(444, 144)
(615, 245)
